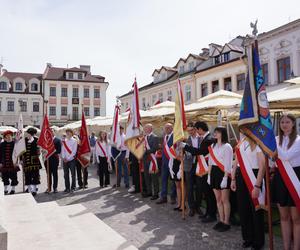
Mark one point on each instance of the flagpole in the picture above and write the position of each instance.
(116, 167)
(140, 173)
(18, 159)
(182, 187)
(48, 174)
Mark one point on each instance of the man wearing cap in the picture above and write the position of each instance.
(68, 153)
(31, 161)
(7, 168)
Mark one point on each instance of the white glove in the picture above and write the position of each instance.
(208, 179)
(179, 174)
(182, 144)
(224, 182)
(171, 172)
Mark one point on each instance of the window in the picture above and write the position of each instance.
(154, 99)
(52, 111)
(283, 69)
(52, 91)
(215, 86)
(75, 92)
(96, 111)
(169, 93)
(240, 81)
(86, 93)
(217, 60)
(126, 106)
(188, 93)
(191, 66)
(204, 89)
(227, 84)
(86, 111)
(11, 106)
(265, 72)
(80, 76)
(23, 106)
(34, 87)
(161, 97)
(181, 69)
(75, 115)
(36, 107)
(64, 111)
(19, 86)
(96, 93)
(3, 86)
(64, 92)
(144, 103)
(71, 75)
(226, 57)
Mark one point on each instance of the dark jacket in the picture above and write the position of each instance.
(54, 159)
(153, 144)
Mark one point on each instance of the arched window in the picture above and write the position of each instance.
(3, 85)
(19, 86)
(34, 87)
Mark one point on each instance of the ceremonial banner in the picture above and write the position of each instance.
(20, 146)
(115, 139)
(255, 120)
(45, 140)
(84, 149)
(134, 140)
(180, 120)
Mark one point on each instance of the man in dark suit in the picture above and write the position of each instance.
(201, 182)
(151, 179)
(53, 164)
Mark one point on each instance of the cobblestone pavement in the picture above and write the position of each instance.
(142, 222)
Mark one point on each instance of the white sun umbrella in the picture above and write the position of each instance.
(295, 80)
(5, 128)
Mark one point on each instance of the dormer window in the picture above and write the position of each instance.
(226, 57)
(80, 76)
(71, 75)
(34, 87)
(19, 86)
(3, 85)
(217, 60)
(181, 69)
(191, 66)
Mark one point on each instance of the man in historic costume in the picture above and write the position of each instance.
(150, 163)
(53, 164)
(31, 162)
(7, 168)
(68, 153)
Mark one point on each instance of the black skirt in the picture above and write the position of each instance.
(280, 193)
(176, 169)
(216, 177)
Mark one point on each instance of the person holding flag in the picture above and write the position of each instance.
(286, 181)
(8, 169)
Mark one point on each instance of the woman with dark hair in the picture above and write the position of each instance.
(103, 158)
(286, 179)
(220, 165)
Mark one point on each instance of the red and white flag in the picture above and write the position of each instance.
(115, 133)
(20, 146)
(45, 140)
(84, 149)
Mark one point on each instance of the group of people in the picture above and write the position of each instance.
(212, 173)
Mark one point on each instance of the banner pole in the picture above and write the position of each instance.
(116, 167)
(140, 174)
(182, 187)
(271, 247)
(48, 175)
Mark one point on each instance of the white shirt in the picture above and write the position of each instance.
(224, 154)
(106, 148)
(292, 154)
(195, 140)
(251, 155)
(72, 145)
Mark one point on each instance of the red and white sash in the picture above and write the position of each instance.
(67, 147)
(248, 175)
(153, 168)
(102, 149)
(169, 152)
(290, 180)
(202, 167)
(218, 163)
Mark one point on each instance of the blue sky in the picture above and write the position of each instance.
(121, 39)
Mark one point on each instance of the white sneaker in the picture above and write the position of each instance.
(131, 189)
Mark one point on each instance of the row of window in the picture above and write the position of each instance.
(222, 58)
(34, 87)
(71, 76)
(23, 106)
(75, 111)
(283, 70)
(75, 92)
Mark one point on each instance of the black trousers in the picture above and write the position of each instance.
(194, 194)
(135, 170)
(70, 166)
(53, 168)
(103, 171)
(209, 196)
(10, 178)
(81, 171)
(32, 177)
(252, 222)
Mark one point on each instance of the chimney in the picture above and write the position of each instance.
(49, 65)
(1, 66)
(86, 68)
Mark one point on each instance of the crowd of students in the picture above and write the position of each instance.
(211, 172)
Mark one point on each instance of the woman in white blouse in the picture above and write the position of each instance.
(288, 146)
(220, 165)
(103, 158)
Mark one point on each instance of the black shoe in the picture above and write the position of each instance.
(246, 244)
(154, 197)
(81, 187)
(162, 201)
(86, 187)
(26, 191)
(192, 213)
(5, 192)
(34, 193)
(176, 208)
(67, 191)
(218, 225)
(55, 191)
(73, 190)
(146, 195)
(224, 228)
(47, 191)
(12, 192)
(208, 219)
(101, 186)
